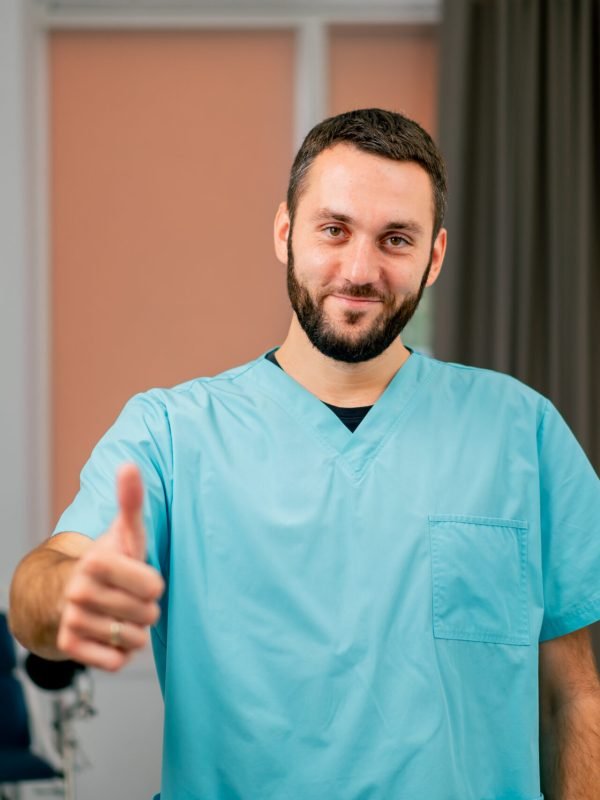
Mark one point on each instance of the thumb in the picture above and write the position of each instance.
(129, 522)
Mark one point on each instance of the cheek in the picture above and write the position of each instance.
(315, 267)
(404, 279)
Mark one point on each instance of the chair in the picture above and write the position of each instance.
(18, 764)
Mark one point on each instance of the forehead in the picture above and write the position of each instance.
(365, 185)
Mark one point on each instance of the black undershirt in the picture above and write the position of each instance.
(351, 417)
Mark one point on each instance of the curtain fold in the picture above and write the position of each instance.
(520, 130)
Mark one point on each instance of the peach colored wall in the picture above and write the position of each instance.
(169, 154)
(391, 67)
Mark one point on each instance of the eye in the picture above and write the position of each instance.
(396, 241)
(334, 231)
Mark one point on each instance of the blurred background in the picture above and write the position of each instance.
(144, 148)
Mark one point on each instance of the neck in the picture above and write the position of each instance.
(337, 382)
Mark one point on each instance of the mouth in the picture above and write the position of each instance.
(355, 302)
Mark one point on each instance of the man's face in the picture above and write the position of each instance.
(361, 253)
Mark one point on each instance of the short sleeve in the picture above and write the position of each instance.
(141, 434)
(570, 526)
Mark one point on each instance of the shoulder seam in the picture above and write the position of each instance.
(187, 386)
(222, 377)
(543, 416)
(495, 373)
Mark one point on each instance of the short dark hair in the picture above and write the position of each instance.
(374, 130)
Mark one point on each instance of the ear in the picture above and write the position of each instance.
(281, 232)
(437, 256)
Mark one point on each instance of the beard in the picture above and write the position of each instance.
(351, 349)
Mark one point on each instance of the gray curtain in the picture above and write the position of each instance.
(520, 129)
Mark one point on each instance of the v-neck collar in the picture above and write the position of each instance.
(354, 450)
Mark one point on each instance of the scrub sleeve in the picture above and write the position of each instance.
(570, 515)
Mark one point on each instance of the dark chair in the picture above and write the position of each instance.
(17, 763)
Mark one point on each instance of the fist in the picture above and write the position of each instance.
(111, 596)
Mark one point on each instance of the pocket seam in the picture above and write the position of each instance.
(468, 519)
(442, 631)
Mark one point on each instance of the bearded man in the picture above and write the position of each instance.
(369, 574)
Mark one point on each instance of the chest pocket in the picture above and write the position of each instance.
(479, 579)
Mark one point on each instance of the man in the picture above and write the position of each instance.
(366, 554)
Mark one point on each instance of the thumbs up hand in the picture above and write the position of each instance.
(111, 595)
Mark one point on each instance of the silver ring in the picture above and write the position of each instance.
(116, 629)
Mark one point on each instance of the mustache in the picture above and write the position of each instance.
(364, 292)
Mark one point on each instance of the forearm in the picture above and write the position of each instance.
(36, 600)
(570, 750)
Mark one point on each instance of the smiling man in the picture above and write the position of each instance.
(369, 270)
(375, 570)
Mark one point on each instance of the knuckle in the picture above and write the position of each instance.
(78, 590)
(89, 560)
(72, 588)
(95, 563)
(66, 617)
(72, 626)
(115, 661)
(65, 641)
(158, 585)
(61, 638)
(73, 617)
(153, 584)
(152, 614)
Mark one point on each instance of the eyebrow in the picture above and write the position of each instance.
(409, 225)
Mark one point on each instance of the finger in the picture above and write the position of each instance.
(88, 625)
(114, 603)
(92, 653)
(129, 523)
(122, 572)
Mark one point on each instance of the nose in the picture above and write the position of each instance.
(360, 262)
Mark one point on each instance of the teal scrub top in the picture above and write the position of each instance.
(354, 616)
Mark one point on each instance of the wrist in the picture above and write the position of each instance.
(37, 600)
